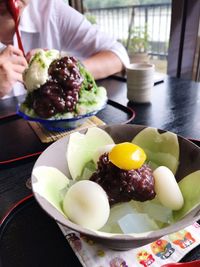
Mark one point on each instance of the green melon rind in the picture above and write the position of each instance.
(190, 189)
(50, 185)
(162, 149)
(81, 148)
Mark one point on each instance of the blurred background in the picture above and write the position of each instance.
(163, 32)
(143, 26)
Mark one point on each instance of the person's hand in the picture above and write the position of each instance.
(12, 65)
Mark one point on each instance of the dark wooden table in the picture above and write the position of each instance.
(175, 107)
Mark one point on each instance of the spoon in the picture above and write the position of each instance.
(183, 264)
(14, 11)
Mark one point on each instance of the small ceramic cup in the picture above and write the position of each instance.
(140, 81)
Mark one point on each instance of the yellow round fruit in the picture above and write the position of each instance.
(127, 156)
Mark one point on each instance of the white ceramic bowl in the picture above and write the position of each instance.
(55, 156)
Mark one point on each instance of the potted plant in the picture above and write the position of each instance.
(138, 44)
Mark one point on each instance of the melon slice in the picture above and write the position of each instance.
(51, 184)
(162, 149)
(81, 148)
(190, 189)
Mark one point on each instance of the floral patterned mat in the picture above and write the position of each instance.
(170, 248)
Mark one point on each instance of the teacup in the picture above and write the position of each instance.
(140, 81)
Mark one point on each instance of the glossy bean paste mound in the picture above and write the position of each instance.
(61, 92)
(124, 185)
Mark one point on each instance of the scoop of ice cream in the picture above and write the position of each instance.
(37, 72)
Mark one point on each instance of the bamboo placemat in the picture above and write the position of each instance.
(46, 136)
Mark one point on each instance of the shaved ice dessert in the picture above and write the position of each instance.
(60, 87)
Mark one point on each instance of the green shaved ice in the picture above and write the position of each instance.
(91, 97)
(190, 189)
(90, 101)
(88, 97)
(161, 149)
(51, 184)
(89, 81)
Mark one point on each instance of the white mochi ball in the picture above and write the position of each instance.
(86, 204)
(167, 189)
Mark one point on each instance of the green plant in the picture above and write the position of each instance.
(91, 18)
(138, 41)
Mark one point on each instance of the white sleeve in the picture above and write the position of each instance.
(82, 39)
(2, 46)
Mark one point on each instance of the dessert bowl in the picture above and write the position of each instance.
(61, 124)
(61, 92)
(181, 155)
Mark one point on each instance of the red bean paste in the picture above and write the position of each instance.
(61, 92)
(124, 185)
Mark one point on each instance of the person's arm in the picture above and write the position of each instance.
(101, 54)
(103, 64)
(12, 65)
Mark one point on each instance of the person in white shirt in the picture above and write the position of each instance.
(52, 24)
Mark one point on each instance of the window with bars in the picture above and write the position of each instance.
(166, 29)
(143, 29)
